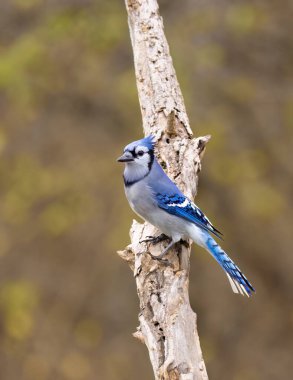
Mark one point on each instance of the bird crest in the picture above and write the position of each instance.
(149, 142)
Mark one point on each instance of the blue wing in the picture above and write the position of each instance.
(181, 206)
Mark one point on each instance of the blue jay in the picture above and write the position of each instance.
(155, 198)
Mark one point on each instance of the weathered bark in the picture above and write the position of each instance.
(167, 322)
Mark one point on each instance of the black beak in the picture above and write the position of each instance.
(126, 157)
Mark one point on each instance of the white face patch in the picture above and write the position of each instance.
(140, 166)
(141, 149)
(142, 156)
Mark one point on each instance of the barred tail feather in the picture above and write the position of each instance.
(238, 281)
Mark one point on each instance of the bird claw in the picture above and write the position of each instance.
(154, 239)
(146, 240)
(161, 260)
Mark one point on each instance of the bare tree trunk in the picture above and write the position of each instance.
(167, 322)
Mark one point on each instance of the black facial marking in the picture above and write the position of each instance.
(150, 163)
(140, 153)
(132, 152)
(152, 156)
(129, 183)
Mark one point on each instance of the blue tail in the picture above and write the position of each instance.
(238, 281)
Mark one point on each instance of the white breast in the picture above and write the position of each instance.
(140, 198)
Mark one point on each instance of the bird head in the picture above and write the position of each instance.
(138, 157)
(139, 153)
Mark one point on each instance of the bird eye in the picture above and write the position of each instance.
(140, 153)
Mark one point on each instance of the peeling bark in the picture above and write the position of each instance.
(167, 322)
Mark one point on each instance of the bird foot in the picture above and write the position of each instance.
(154, 239)
(160, 259)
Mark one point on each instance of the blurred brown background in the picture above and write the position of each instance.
(68, 105)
